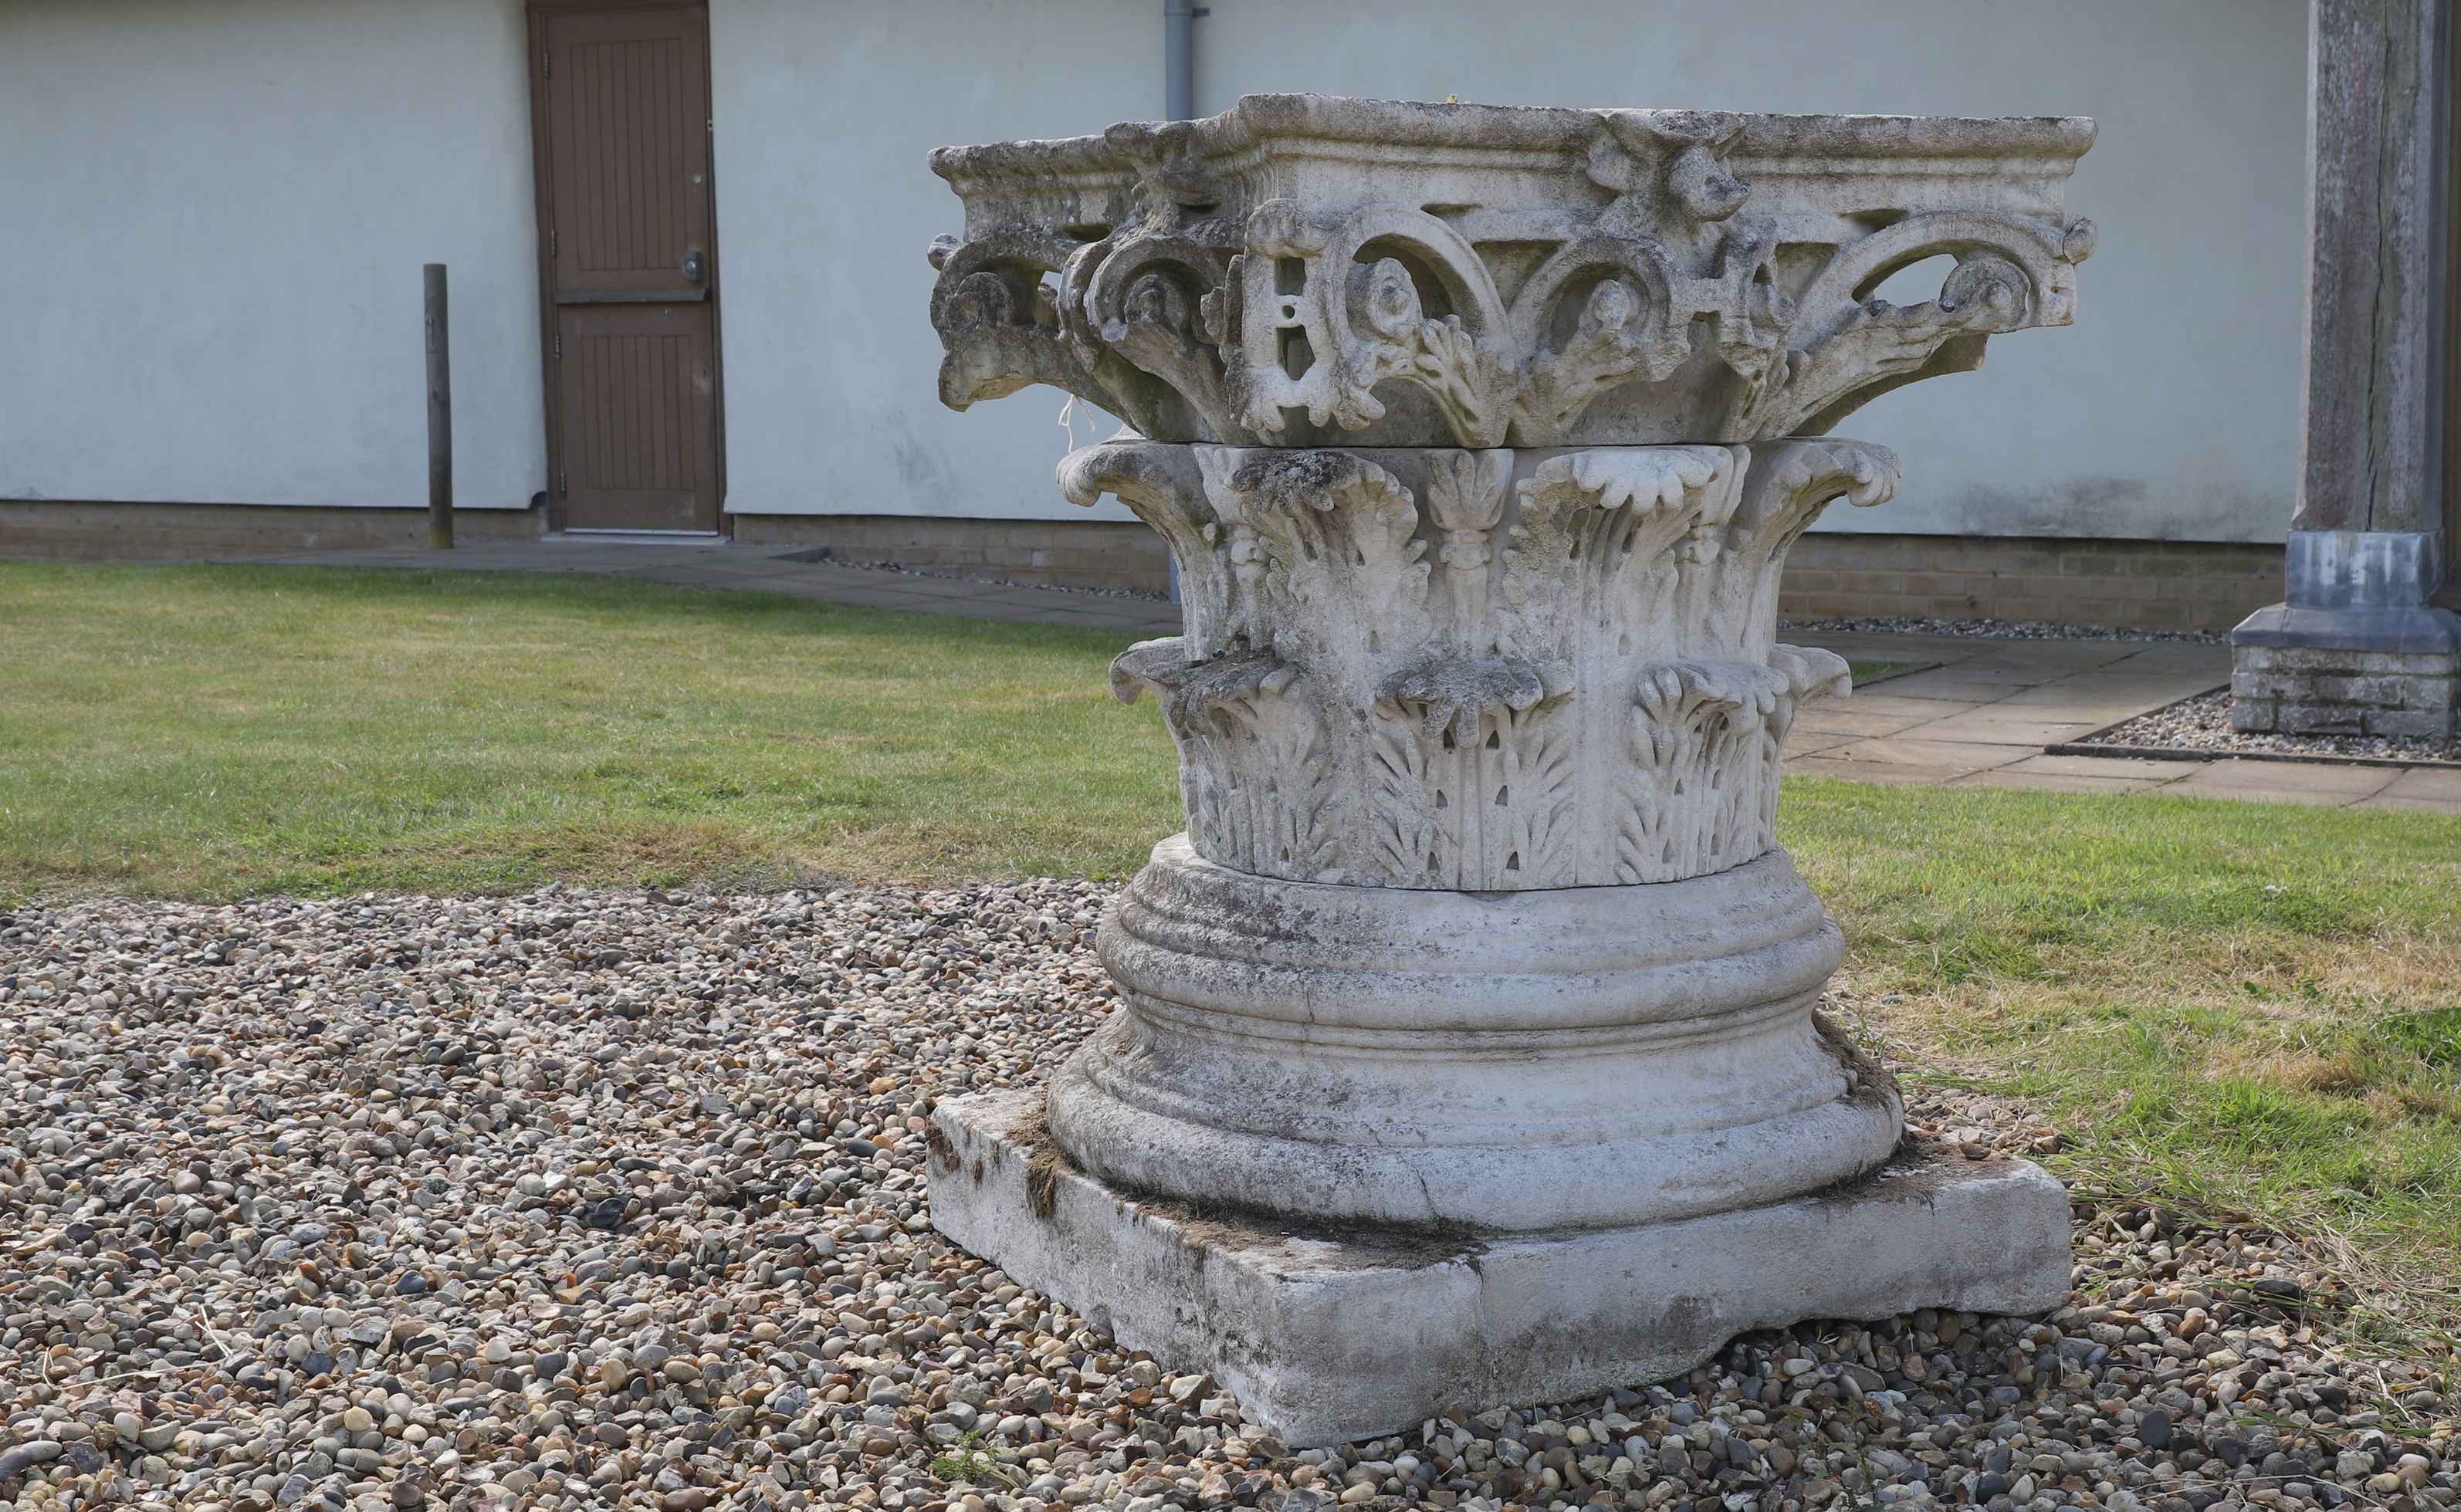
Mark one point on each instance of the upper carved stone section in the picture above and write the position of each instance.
(1303, 270)
(1487, 670)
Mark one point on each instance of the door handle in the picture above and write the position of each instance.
(693, 269)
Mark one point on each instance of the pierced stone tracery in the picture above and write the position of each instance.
(1533, 278)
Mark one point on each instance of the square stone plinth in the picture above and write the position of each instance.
(1329, 1336)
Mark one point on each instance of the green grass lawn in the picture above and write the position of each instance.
(2236, 1008)
(2231, 1007)
(1863, 672)
(201, 730)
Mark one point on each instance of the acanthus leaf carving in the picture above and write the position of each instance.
(1163, 486)
(1465, 498)
(1256, 775)
(1788, 488)
(1578, 686)
(1348, 580)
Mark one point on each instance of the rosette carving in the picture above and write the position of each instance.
(1484, 670)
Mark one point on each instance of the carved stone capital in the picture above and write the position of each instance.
(1303, 270)
(1490, 671)
(1478, 998)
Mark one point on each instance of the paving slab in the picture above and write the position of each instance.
(1968, 755)
(2434, 790)
(2311, 782)
(1998, 724)
(1831, 717)
(2136, 769)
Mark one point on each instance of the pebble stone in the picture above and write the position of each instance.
(2203, 723)
(587, 1200)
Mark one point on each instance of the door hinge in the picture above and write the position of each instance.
(546, 64)
(563, 485)
(559, 346)
(550, 241)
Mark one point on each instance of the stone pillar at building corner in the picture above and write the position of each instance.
(2357, 646)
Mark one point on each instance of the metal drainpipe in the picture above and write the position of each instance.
(1178, 103)
(1179, 59)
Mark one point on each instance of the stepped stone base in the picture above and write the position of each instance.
(1331, 1337)
(2379, 671)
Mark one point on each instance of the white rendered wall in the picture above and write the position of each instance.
(2169, 410)
(825, 113)
(217, 214)
(220, 210)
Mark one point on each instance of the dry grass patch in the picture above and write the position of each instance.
(2230, 1007)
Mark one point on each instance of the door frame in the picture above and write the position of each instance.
(542, 190)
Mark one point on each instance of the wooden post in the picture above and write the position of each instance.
(2357, 646)
(439, 417)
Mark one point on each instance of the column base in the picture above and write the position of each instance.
(2347, 671)
(1332, 1336)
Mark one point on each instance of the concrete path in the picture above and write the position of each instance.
(1980, 718)
(764, 570)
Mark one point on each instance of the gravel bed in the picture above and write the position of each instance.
(2202, 723)
(2004, 629)
(586, 1200)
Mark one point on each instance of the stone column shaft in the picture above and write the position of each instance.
(2355, 648)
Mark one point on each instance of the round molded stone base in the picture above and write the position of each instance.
(1575, 1058)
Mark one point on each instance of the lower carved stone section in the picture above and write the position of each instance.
(1328, 1337)
(1579, 1058)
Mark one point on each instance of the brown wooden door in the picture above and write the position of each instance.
(629, 264)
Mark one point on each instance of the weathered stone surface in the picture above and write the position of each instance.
(1302, 270)
(1329, 1334)
(2329, 690)
(2368, 542)
(1577, 1057)
(1480, 927)
(2362, 569)
(1493, 671)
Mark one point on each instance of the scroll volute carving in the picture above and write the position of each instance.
(1240, 281)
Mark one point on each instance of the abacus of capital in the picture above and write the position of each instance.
(1467, 1049)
